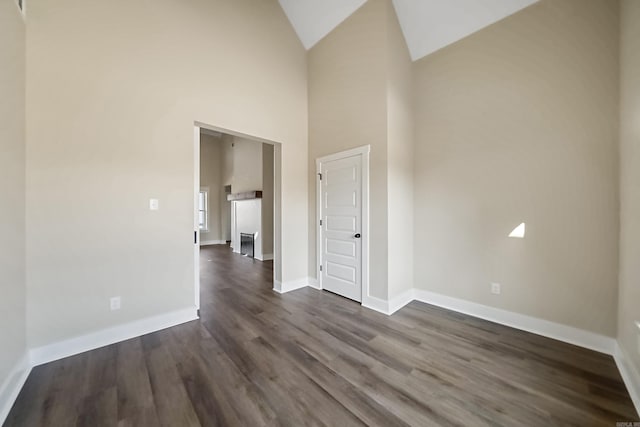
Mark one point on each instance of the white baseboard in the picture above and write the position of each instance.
(213, 242)
(277, 286)
(265, 257)
(12, 385)
(534, 325)
(557, 331)
(391, 306)
(376, 304)
(401, 300)
(630, 375)
(313, 283)
(72, 346)
(292, 285)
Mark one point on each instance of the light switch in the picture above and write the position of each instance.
(153, 204)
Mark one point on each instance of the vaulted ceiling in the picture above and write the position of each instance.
(428, 25)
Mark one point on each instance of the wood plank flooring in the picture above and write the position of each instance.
(313, 358)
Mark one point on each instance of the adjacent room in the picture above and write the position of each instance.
(235, 202)
(320, 212)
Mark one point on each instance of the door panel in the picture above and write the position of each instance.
(341, 223)
(340, 247)
(341, 214)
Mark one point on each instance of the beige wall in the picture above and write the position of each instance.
(227, 159)
(629, 310)
(360, 93)
(227, 179)
(247, 165)
(12, 192)
(347, 109)
(400, 142)
(113, 92)
(211, 178)
(518, 123)
(267, 199)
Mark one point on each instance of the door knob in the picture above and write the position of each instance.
(357, 236)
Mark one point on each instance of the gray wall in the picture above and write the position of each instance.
(518, 123)
(629, 311)
(211, 178)
(347, 109)
(267, 199)
(109, 128)
(12, 193)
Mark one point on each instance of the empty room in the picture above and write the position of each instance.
(320, 212)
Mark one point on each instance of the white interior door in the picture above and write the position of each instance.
(341, 195)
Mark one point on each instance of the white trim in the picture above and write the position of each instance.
(293, 285)
(630, 375)
(391, 306)
(265, 257)
(12, 385)
(204, 190)
(226, 131)
(212, 242)
(557, 331)
(401, 300)
(534, 325)
(277, 286)
(376, 304)
(364, 151)
(104, 337)
(313, 283)
(196, 213)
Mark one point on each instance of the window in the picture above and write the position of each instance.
(203, 206)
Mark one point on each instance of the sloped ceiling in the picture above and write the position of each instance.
(314, 19)
(428, 25)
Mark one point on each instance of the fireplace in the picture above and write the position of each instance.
(246, 244)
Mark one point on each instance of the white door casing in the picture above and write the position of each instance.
(196, 217)
(343, 222)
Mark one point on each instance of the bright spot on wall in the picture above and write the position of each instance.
(518, 231)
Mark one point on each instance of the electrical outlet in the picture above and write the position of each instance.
(495, 288)
(154, 205)
(115, 303)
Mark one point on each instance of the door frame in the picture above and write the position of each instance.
(277, 201)
(363, 151)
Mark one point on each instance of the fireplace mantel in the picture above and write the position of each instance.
(248, 195)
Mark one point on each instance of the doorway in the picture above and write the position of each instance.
(236, 193)
(343, 222)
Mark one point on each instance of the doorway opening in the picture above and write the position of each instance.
(236, 200)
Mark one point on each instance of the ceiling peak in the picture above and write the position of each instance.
(427, 25)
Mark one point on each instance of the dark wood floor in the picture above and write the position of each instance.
(313, 358)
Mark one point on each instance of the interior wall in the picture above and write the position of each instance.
(227, 178)
(112, 95)
(348, 109)
(400, 142)
(12, 194)
(518, 123)
(211, 178)
(247, 165)
(267, 199)
(629, 312)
